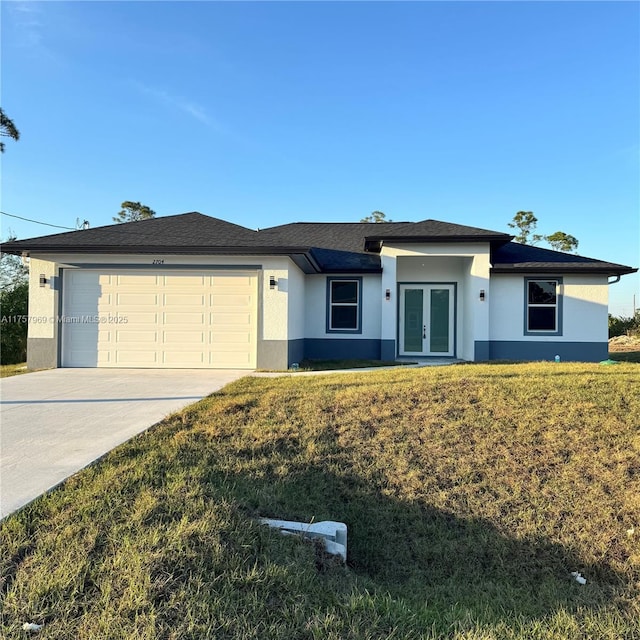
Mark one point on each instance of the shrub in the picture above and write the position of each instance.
(620, 326)
(14, 303)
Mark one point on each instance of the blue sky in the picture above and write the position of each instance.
(266, 113)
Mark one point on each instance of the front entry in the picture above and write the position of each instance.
(427, 320)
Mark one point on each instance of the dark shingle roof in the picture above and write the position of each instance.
(360, 236)
(521, 258)
(187, 230)
(330, 247)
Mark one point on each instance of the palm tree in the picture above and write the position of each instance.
(7, 128)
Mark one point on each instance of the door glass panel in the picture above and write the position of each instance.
(413, 320)
(439, 321)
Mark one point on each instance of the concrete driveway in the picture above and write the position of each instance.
(54, 423)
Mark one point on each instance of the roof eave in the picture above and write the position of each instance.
(374, 243)
(146, 249)
(330, 270)
(613, 270)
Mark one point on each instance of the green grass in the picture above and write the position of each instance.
(332, 365)
(7, 370)
(470, 493)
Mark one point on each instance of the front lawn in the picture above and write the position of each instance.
(471, 493)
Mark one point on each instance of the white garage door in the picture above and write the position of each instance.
(172, 319)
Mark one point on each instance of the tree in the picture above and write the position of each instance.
(376, 216)
(12, 271)
(134, 211)
(14, 303)
(526, 224)
(7, 129)
(561, 241)
(14, 308)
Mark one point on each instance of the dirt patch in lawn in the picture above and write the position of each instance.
(624, 343)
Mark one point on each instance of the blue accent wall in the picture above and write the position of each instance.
(332, 348)
(387, 350)
(481, 351)
(535, 350)
(296, 351)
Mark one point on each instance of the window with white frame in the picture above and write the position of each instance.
(344, 311)
(543, 306)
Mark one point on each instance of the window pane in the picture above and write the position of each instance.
(542, 318)
(439, 333)
(344, 291)
(344, 317)
(542, 292)
(413, 299)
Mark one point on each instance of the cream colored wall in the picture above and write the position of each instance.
(476, 311)
(296, 302)
(43, 301)
(431, 269)
(584, 309)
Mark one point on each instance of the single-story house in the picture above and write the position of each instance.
(199, 292)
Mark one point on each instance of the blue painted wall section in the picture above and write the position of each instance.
(388, 350)
(481, 350)
(534, 350)
(332, 348)
(296, 351)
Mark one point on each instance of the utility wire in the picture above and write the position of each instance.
(57, 226)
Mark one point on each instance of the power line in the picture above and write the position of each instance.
(57, 226)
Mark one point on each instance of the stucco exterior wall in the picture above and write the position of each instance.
(296, 302)
(274, 304)
(43, 301)
(316, 308)
(475, 310)
(584, 309)
(466, 264)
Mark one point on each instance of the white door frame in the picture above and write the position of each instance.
(423, 345)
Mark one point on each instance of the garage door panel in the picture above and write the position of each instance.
(182, 358)
(228, 359)
(135, 317)
(231, 319)
(136, 358)
(81, 278)
(137, 337)
(188, 318)
(231, 300)
(238, 337)
(234, 281)
(181, 300)
(173, 319)
(184, 337)
(136, 300)
(182, 282)
(137, 280)
(83, 299)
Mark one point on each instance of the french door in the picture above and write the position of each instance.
(426, 320)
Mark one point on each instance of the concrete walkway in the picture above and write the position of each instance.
(53, 423)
